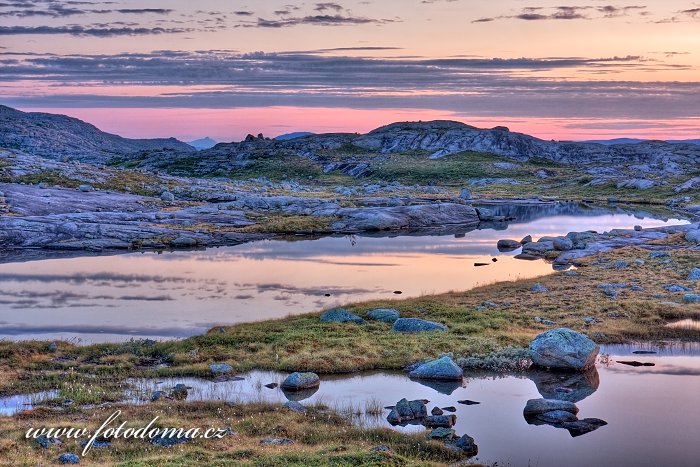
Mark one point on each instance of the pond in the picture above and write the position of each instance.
(652, 412)
(183, 293)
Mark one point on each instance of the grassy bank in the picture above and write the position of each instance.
(320, 438)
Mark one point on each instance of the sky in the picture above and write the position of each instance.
(224, 68)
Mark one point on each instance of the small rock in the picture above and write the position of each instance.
(276, 442)
(620, 264)
(450, 409)
(271, 385)
(157, 395)
(442, 433)
(46, 442)
(184, 242)
(539, 288)
(68, 458)
(167, 197)
(691, 298)
(436, 411)
(635, 363)
(86, 188)
(381, 448)
(468, 402)
(694, 275)
(676, 288)
(659, 254)
(563, 244)
(415, 325)
(546, 322)
(437, 421)
(535, 407)
(637, 228)
(526, 239)
(298, 381)
(52, 347)
(465, 193)
(220, 368)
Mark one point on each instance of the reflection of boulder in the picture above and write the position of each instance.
(559, 414)
(443, 387)
(299, 395)
(573, 387)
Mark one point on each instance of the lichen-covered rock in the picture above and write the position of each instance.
(415, 325)
(443, 368)
(467, 445)
(220, 368)
(563, 349)
(437, 421)
(298, 381)
(68, 458)
(340, 315)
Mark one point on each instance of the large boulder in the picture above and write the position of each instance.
(538, 248)
(340, 315)
(388, 315)
(443, 368)
(693, 236)
(415, 325)
(298, 381)
(563, 349)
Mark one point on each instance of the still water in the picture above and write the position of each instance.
(179, 294)
(652, 412)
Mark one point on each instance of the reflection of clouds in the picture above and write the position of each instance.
(320, 290)
(663, 369)
(99, 278)
(12, 329)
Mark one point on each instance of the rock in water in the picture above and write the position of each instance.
(467, 445)
(413, 325)
(388, 315)
(298, 381)
(563, 349)
(536, 407)
(340, 315)
(442, 369)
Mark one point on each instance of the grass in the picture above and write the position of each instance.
(321, 438)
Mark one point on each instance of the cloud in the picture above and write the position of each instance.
(96, 30)
(541, 13)
(315, 20)
(317, 79)
(328, 6)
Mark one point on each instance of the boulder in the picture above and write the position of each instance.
(443, 368)
(535, 407)
(465, 193)
(693, 236)
(387, 315)
(563, 244)
(167, 197)
(538, 248)
(526, 239)
(220, 368)
(563, 349)
(415, 325)
(298, 381)
(340, 315)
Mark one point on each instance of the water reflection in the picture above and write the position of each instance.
(572, 387)
(179, 294)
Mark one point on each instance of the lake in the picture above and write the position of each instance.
(176, 294)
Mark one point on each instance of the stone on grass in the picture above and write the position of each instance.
(563, 349)
(68, 458)
(442, 433)
(414, 325)
(676, 288)
(86, 188)
(442, 369)
(340, 315)
(167, 197)
(694, 275)
(220, 368)
(539, 288)
(693, 236)
(691, 298)
(387, 315)
(465, 193)
(299, 381)
(276, 442)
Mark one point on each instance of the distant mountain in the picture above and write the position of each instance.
(298, 134)
(59, 136)
(203, 143)
(609, 142)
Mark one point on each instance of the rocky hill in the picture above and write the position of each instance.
(66, 138)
